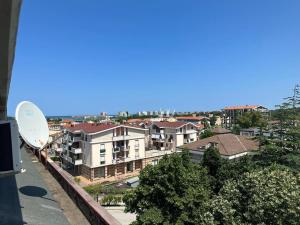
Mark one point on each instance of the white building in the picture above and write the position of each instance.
(169, 135)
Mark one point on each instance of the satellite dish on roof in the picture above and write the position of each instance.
(33, 126)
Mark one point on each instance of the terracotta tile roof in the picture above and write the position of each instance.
(135, 120)
(195, 118)
(200, 126)
(67, 121)
(91, 127)
(169, 124)
(94, 127)
(228, 144)
(241, 107)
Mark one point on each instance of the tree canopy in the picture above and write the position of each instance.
(175, 191)
(268, 196)
(251, 119)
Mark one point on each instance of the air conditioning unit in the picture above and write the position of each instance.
(10, 155)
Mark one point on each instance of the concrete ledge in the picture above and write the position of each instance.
(95, 213)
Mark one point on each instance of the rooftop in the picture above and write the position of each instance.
(26, 199)
(227, 144)
(241, 107)
(97, 127)
(169, 124)
(195, 118)
(220, 130)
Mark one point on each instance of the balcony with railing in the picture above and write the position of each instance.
(121, 137)
(154, 152)
(76, 150)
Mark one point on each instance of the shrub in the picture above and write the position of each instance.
(110, 199)
(93, 189)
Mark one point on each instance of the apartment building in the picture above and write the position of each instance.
(101, 151)
(231, 114)
(166, 136)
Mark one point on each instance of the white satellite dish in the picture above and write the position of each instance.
(33, 126)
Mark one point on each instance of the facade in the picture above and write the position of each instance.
(166, 136)
(103, 150)
(107, 151)
(229, 145)
(231, 114)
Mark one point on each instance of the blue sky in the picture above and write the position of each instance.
(83, 57)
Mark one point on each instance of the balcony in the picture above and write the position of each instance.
(190, 131)
(75, 139)
(153, 153)
(122, 159)
(76, 150)
(121, 148)
(158, 137)
(121, 137)
(77, 162)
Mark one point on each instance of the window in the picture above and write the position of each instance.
(154, 162)
(102, 154)
(102, 148)
(136, 145)
(129, 167)
(100, 172)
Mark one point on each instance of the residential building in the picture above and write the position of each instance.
(231, 114)
(192, 119)
(255, 131)
(229, 145)
(123, 114)
(169, 135)
(107, 151)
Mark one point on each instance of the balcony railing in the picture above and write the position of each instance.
(75, 139)
(121, 148)
(77, 162)
(190, 131)
(76, 150)
(153, 153)
(121, 137)
(73, 161)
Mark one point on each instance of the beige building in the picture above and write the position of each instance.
(107, 151)
(166, 136)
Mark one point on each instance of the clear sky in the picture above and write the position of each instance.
(87, 56)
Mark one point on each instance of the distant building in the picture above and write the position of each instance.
(123, 114)
(169, 135)
(255, 131)
(192, 119)
(231, 114)
(229, 145)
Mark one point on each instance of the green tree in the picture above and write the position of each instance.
(206, 133)
(213, 120)
(212, 160)
(268, 196)
(233, 170)
(288, 117)
(176, 191)
(251, 119)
